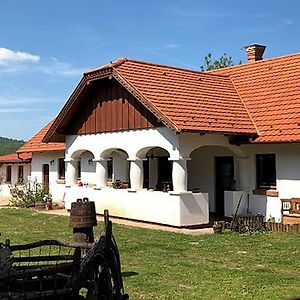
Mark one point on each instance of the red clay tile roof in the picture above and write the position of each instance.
(270, 89)
(35, 144)
(15, 158)
(260, 98)
(184, 100)
(193, 101)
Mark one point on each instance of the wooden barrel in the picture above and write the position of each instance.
(83, 214)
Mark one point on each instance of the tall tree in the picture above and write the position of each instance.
(222, 62)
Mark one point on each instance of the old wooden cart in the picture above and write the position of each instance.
(52, 269)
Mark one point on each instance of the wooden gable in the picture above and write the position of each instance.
(107, 107)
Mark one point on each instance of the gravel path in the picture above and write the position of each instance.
(139, 224)
(4, 201)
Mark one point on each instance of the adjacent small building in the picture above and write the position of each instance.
(13, 168)
(47, 163)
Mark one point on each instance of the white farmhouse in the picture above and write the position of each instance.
(172, 146)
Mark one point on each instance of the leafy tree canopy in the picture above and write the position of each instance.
(8, 146)
(222, 62)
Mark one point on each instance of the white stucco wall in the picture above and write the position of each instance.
(180, 209)
(202, 170)
(131, 141)
(88, 168)
(38, 159)
(235, 202)
(120, 167)
(287, 177)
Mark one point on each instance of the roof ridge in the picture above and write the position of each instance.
(173, 67)
(111, 64)
(246, 108)
(255, 63)
(122, 60)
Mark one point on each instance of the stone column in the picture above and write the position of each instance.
(101, 173)
(136, 174)
(71, 172)
(179, 175)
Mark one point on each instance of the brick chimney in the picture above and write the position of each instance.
(254, 52)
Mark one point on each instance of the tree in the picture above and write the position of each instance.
(8, 146)
(222, 62)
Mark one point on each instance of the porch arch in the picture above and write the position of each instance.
(147, 151)
(213, 169)
(80, 167)
(157, 168)
(114, 165)
(107, 153)
(193, 142)
(78, 154)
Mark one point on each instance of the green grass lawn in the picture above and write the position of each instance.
(160, 265)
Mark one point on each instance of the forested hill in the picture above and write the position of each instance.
(8, 146)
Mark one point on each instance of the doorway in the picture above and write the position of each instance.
(45, 175)
(224, 170)
(164, 174)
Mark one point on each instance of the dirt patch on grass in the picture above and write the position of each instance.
(4, 201)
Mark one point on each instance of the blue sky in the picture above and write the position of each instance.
(46, 45)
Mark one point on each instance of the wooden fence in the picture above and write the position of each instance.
(279, 227)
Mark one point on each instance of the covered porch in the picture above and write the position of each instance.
(167, 184)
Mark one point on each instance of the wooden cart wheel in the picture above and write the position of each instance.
(100, 284)
(104, 282)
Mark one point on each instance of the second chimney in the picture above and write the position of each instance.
(255, 52)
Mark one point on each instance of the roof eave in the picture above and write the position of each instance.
(43, 150)
(85, 80)
(204, 131)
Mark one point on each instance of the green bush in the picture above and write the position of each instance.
(26, 193)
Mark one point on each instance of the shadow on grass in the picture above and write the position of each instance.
(129, 274)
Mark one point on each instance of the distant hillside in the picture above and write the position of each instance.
(8, 146)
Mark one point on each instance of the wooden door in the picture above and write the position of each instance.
(224, 170)
(45, 174)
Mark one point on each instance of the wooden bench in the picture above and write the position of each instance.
(290, 211)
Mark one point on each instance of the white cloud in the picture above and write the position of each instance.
(186, 13)
(157, 51)
(16, 110)
(8, 57)
(17, 61)
(9, 100)
(166, 46)
(268, 28)
(287, 22)
(56, 67)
